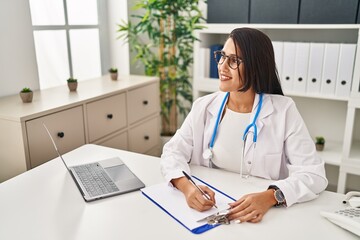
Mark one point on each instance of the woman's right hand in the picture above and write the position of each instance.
(193, 196)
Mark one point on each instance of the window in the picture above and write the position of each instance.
(67, 40)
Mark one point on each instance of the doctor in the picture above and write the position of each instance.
(250, 128)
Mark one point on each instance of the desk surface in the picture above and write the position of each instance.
(44, 203)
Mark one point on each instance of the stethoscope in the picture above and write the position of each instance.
(208, 153)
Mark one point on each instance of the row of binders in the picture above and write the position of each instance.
(315, 68)
(307, 68)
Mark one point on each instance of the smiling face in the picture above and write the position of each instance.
(230, 79)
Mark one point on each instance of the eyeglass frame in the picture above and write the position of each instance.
(223, 55)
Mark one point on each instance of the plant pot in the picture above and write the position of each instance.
(319, 147)
(72, 86)
(114, 76)
(26, 97)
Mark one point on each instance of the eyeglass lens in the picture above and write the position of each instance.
(233, 60)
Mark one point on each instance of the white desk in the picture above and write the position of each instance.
(44, 203)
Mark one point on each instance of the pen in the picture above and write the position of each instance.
(202, 192)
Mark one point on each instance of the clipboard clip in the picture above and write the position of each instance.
(217, 218)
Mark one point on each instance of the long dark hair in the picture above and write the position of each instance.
(257, 53)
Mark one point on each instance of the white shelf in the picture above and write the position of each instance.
(355, 152)
(332, 153)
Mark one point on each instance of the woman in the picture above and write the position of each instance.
(276, 146)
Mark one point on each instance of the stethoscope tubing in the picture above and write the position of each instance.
(247, 129)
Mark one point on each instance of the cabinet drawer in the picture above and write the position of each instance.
(145, 136)
(106, 116)
(143, 102)
(118, 141)
(67, 129)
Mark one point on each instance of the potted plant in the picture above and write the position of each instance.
(113, 73)
(168, 52)
(26, 95)
(319, 143)
(72, 84)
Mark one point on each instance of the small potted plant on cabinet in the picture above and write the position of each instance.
(319, 143)
(26, 95)
(113, 73)
(72, 84)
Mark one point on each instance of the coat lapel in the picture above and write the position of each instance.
(266, 109)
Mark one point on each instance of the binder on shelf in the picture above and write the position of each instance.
(278, 52)
(288, 66)
(301, 66)
(213, 65)
(345, 70)
(173, 202)
(330, 65)
(316, 58)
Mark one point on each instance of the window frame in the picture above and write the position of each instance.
(102, 27)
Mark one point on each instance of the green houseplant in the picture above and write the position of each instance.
(319, 143)
(26, 95)
(72, 84)
(113, 73)
(168, 53)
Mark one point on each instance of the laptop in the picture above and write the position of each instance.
(101, 179)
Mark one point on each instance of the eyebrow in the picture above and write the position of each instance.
(232, 54)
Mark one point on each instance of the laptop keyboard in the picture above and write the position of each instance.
(95, 180)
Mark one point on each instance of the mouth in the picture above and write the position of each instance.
(224, 77)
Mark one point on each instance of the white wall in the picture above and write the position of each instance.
(119, 50)
(18, 68)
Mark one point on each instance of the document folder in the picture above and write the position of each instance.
(330, 66)
(173, 202)
(345, 70)
(288, 66)
(316, 59)
(301, 67)
(278, 51)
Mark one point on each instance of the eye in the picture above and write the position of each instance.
(234, 60)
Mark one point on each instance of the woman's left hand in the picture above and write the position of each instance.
(252, 207)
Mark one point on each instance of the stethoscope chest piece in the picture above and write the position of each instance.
(207, 154)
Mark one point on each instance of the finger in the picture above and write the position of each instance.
(240, 214)
(240, 211)
(204, 202)
(257, 219)
(209, 192)
(238, 202)
(240, 207)
(199, 203)
(252, 216)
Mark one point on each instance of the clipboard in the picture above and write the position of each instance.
(172, 201)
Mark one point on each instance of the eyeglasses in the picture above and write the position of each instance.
(233, 60)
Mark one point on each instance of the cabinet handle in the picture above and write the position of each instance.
(313, 80)
(328, 81)
(287, 78)
(61, 134)
(109, 116)
(145, 102)
(146, 137)
(300, 79)
(343, 82)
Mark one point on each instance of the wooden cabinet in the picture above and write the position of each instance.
(105, 116)
(67, 129)
(123, 114)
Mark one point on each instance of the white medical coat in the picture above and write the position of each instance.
(284, 150)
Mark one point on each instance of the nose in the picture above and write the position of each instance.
(224, 66)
